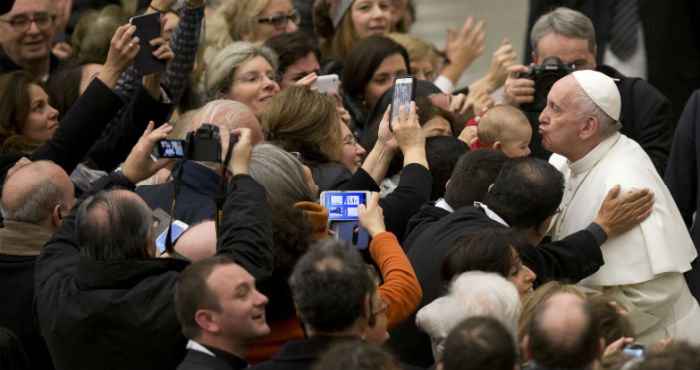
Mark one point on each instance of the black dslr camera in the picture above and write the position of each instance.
(203, 145)
(545, 75)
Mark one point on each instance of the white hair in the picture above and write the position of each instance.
(587, 107)
(472, 293)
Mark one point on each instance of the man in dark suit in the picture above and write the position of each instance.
(524, 196)
(221, 313)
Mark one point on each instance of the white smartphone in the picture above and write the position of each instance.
(404, 93)
(342, 205)
(326, 84)
(178, 227)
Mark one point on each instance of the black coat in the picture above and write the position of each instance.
(196, 360)
(572, 258)
(683, 176)
(421, 221)
(120, 315)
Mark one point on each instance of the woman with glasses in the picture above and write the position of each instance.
(244, 72)
(249, 20)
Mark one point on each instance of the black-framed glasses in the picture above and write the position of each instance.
(280, 20)
(21, 22)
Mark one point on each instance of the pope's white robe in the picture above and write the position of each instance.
(644, 267)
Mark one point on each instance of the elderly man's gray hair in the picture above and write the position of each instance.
(565, 22)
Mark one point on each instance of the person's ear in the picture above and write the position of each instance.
(543, 226)
(590, 128)
(490, 187)
(534, 58)
(56, 216)
(447, 183)
(367, 311)
(150, 248)
(498, 146)
(527, 356)
(205, 319)
(601, 349)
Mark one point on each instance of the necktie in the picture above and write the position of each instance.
(623, 40)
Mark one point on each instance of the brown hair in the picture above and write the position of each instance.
(338, 46)
(192, 293)
(613, 325)
(540, 295)
(300, 120)
(15, 103)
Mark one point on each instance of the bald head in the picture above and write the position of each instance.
(227, 115)
(564, 333)
(198, 242)
(36, 192)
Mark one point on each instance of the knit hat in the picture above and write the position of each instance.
(327, 14)
(602, 90)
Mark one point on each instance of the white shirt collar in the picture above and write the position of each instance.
(491, 214)
(199, 348)
(594, 156)
(440, 203)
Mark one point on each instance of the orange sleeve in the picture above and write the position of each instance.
(400, 288)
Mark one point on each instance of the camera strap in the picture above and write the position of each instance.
(168, 239)
(220, 195)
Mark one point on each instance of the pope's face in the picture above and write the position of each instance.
(560, 122)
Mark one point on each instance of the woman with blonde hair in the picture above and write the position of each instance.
(303, 121)
(249, 20)
(244, 72)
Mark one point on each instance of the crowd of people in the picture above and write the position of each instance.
(550, 229)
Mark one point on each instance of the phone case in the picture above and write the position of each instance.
(147, 29)
(326, 83)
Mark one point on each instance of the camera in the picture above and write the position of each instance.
(545, 75)
(203, 145)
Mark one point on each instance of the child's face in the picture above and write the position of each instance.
(515, 143)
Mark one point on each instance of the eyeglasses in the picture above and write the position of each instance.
(255, 78)
(280, 20)
(21, 22)
(350, 140)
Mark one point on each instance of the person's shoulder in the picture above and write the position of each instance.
(196, 360)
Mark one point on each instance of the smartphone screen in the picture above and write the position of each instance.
(403, 94)
(178, 228)
(171, 148)
(342, 205)
(632, 349)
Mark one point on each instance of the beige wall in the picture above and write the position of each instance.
(504, 19)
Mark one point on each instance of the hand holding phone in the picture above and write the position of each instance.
(371, 216)
(404, 93)
(147, 29)
(327, 84)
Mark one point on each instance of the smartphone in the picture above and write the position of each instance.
(633, 349)
(147, 29)
(171, 148)
(342, 205)
(178, 227)
(404, 93)
(326, 84)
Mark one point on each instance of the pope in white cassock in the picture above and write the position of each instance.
(644, 267)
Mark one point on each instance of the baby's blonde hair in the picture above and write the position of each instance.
(496, 121)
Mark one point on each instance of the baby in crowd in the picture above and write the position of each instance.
(506, 129)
